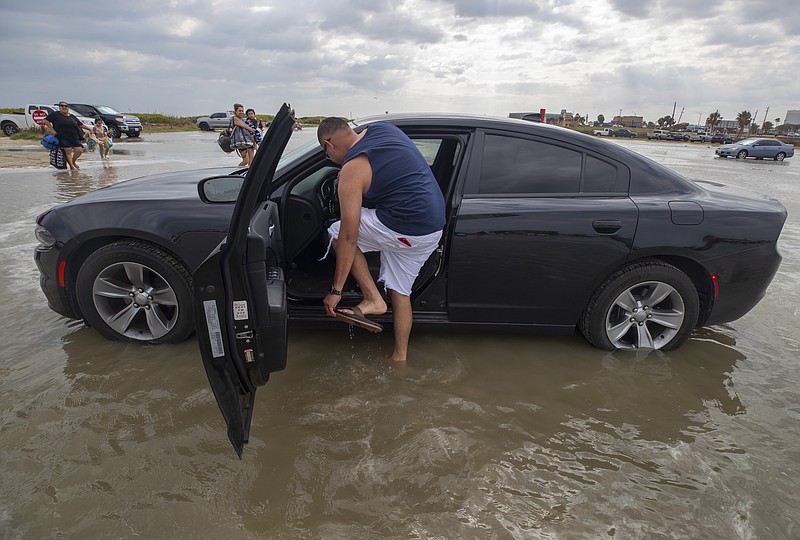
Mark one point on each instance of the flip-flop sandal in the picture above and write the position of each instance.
(357, 318)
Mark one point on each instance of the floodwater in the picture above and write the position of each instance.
(479, 436)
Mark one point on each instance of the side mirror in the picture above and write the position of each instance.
(220, 189)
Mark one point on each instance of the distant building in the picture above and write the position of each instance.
(792, 117)
(628, 121)
(549, 118)
(728, 124)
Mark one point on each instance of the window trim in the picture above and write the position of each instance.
(472, 184)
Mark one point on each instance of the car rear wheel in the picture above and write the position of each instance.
(134, 291)
(741, 154)
(647, 305)
(204, 126)
(780, 156)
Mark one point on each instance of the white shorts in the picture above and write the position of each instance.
(402, 256)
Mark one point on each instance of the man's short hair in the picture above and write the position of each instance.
(329, 126)
(248, 111)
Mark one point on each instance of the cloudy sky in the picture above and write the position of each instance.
(361, 57)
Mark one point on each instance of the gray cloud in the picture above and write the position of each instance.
(195, 56)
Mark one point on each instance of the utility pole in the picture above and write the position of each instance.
(765, 119)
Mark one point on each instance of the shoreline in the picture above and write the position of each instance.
(23, 154)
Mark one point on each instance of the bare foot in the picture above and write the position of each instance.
(377, 307)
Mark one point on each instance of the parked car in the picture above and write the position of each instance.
(757, 148)
(548, 229)
(658, 134)
(116, 122)
(677, 136)
(215, 120)
(605, 132)
(612, 209)
(701, 136)
(721, 138)
(624, 133)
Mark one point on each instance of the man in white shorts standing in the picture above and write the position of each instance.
(381, 167)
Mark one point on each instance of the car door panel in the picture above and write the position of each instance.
(241, 307)
(535, 260)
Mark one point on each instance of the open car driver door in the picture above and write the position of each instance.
(240, 293)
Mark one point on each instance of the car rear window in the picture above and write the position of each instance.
(521, 166)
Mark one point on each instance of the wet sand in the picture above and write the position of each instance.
(22, 154)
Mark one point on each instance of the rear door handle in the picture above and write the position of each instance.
(607, 226)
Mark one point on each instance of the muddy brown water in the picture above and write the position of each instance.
(480, 436)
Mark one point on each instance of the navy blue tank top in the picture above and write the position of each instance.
(404, 191)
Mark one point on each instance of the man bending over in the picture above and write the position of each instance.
(381, 167)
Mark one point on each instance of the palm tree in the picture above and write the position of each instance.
(743, 119)
(713, 120)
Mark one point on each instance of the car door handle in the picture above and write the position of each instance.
(607, 227)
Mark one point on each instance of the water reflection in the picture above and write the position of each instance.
(71, 184)
(484, 433)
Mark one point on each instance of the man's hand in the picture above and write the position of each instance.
(330, 303)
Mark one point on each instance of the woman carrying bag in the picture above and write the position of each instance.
(243, 138)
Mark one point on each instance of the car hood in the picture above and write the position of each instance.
(174, 185)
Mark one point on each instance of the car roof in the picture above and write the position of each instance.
(610, 149)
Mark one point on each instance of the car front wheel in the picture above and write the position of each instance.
(741, 154)
(114, 132)
(647, 305)
(780, 157)
(134, 291)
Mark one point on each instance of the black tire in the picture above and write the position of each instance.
(114, 132)
(133, 291)
(619, 316)
(780, 156)
(204, 126)
(9, 128)
(741, 154)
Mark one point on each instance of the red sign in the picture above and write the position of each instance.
(38, 115)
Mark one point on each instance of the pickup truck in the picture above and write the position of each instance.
(701, 136)
(659, 134)
(215, 120)
(603, 132)
(13, 122)
(116, 122)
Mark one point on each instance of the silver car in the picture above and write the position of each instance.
(757, 148)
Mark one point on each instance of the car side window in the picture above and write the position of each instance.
(599, 176)
(512, 165)
(428, 148)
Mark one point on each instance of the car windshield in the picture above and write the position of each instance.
(298, 153)
(107, 110)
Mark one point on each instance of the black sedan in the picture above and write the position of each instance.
(623, 133)
(548, 229)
